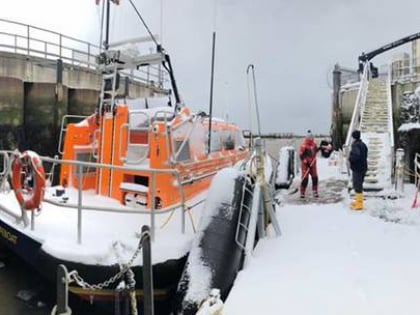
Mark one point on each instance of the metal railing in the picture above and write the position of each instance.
(359, 104)
(28, 40)
(390, 116)
(405, 69)
(34, 41)
(80, 207)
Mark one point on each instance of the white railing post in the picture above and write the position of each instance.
(79, 203)
(399, 170)
(390, 114)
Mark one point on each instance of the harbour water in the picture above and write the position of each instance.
(23, 291)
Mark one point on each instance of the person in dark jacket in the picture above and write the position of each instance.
(358, 165)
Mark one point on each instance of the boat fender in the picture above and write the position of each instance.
(29, 199)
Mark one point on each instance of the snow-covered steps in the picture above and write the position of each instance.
(375, 127)
(375, 116)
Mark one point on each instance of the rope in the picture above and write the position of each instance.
(144, 23)
(133, 302)
(54, 311)
(168, 219)
(191, 218)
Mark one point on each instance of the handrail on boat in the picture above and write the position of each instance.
(4, 172)
(80, 207)
(63, 129)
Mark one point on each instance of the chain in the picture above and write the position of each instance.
(74, 276)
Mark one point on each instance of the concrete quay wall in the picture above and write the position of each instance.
(35, 93)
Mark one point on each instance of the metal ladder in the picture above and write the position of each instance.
(109, 89)
(245, 210)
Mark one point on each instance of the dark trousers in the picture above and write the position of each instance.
(357, 179)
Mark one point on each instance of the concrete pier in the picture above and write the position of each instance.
(36, 92)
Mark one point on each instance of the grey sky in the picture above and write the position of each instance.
(293, 45)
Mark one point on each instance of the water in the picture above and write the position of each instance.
(19, 278)
(16, 275)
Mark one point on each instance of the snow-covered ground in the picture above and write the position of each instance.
(332, 260)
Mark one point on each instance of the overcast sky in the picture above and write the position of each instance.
(292, 44)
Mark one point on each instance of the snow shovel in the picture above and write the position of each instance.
(295, 189)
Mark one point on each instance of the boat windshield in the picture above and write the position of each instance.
(144, 110)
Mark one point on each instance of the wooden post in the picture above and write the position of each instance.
(337, 121)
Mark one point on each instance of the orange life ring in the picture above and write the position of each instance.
(29, 198)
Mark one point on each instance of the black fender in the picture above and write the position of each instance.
(215, 257)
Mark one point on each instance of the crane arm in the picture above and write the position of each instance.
(366, 57)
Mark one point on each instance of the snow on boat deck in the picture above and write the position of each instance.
(107, 237)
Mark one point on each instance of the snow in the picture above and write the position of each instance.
(107, 237)
(328, 260)
(385, 158)
(332, 260)
(409, 126)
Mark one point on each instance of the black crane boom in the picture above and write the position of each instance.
(366, 57)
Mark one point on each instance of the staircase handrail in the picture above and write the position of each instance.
(359, 104)
(390, 109)
(390, 117)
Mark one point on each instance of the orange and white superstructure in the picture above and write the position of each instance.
(159, 149)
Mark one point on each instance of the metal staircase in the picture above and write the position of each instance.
(373, 117)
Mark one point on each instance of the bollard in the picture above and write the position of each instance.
(62, 307)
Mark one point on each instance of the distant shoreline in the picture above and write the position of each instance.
(284, 136)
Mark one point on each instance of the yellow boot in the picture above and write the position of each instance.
(357, 203)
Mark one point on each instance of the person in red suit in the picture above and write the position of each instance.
(307, 154)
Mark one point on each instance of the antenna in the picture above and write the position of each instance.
(211, 90)
(161, 22)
